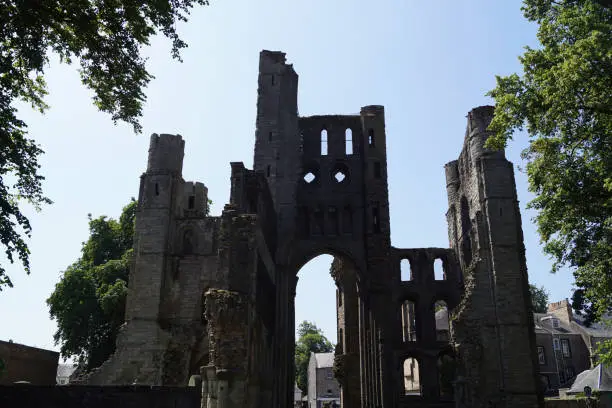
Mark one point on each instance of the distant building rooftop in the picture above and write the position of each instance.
(324, 360)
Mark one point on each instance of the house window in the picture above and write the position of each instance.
(330, 376)
(556, 345)
(555, 323)
(565, 348)
(541, 355)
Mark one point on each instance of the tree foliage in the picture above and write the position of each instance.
(564, 102)
(89, 300)
(310, 340)
(539, 299)
(105, 37)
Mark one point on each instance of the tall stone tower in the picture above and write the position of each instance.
(493, 325)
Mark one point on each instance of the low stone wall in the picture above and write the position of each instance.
(83, 396)
(601, 402)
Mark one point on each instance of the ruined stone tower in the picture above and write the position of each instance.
(215, 295)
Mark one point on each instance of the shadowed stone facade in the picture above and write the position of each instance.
(215, 295)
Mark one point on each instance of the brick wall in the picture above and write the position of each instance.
(24, 363)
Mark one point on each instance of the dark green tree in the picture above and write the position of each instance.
(310, 340)
(564, 102)
(88, 303)
(105, 37)
(539, 299)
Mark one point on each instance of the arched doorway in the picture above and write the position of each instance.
(317, 301)
(326, 296)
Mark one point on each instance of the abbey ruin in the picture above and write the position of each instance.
(214, 295)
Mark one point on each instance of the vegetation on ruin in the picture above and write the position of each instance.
(105, 38)
(88, 302)
(563, 100)
(539, 299)
(310, 340)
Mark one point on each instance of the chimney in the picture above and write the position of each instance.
(562, 310)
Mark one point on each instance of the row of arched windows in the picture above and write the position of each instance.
(406, 273)
(348, 141)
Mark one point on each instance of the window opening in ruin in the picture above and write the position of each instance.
(439, 273)
(442, 321)
(324, 142)
(269, 136)
(377, 172)
(268, 171)
(405, 270)
(371, 140)
(348, 141)
(188, 242)
(191, 202)
(446, 375)
(411, 377)
(156, 189)
(339, 176)
(408, 316)
(376, 219)
(309, 177)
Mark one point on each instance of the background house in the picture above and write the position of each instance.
(63, 373)
(322, 386)
(565, 346)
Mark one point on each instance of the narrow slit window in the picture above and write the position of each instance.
(439, 270)
(156, 189)
(371, 139)
(405, 271)
(268, 170)
(376, 219)
(191, 203)
(324, 142)
(273, 80)
(408, 316)
(269, 136)
(348, 141)
(442, 321)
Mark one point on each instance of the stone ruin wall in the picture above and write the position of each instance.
(214, 295)
(492, 327)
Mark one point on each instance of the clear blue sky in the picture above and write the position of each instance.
(428, 62)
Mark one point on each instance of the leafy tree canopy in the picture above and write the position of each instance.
(105, 37)
(88, 303)
(564, 102)
(539, 299)
(310, 340)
